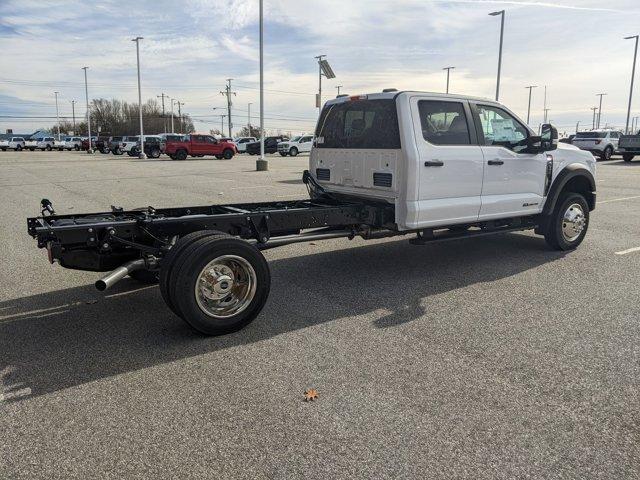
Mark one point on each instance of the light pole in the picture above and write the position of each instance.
(530, 87)
(577, 126)
(338, 87)
(494, 14)
(172, 100)
(142, 154)
(180, 125)
(222, 117)
(546, 115)
(319, 100)
(86, 93)
(249, 117)
(73, 113)
(633, 73)
(448, 69)
(57, 117)
(593, 122)
(599, 108)
(262, 164)
(164, 120)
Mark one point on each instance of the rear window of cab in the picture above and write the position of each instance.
(363, 124)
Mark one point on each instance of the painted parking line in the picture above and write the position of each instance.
(618, 199)
(629, 250)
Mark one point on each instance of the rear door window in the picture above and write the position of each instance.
(444, 123)
(366, 124)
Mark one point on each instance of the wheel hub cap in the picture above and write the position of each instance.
(226, 286)
(573, 223)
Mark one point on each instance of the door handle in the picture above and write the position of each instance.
(495, 162)
(434, 163)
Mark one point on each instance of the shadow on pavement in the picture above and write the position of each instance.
(64, 338)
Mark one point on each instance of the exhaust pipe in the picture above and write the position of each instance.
(118, 274)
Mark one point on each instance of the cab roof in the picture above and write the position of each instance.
(395, 93)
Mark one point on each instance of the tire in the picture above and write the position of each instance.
(606, 154)
(155, 153)
(227, 154)
(562, 234)
(77, 148)
(48, 148)
(293, 152)
(627, 157)
(148, 277)
(18, 148)
(181, 154)
(234, 305)
(171, 259)
(104, 151)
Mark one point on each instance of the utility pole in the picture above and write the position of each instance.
(86, 93)
(494, 14)
(593, 123)
(164, 120)
(530, 87)
(338, 87)
(599, 108)
(73, 112)
(261, 164)
(249, 117)
(228, 93)
(142, 154)
(180, 124)
(633, 73)
(222, 117)
(172, 100)
(448, 69)
(57, 117)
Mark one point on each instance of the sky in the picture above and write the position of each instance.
(574, 47)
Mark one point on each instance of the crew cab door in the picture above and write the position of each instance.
(305, 142)
(450, 162)
(513, 181)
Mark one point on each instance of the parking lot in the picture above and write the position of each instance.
(491, 357)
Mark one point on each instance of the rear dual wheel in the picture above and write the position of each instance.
(215, 282)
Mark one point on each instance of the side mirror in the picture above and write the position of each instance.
(549, 136)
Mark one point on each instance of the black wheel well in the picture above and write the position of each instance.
(580, 184)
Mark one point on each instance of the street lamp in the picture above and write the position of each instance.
(593, 122)
(448, 69)
(494, 14)
(530, 87)
(323, 69)
(142, 154)
(222, 117)
(73, 113)
(633, 73)
(172, 100)
(57, 117)
(599, 108)
(86, 93)
(262, 164)
(249, 117)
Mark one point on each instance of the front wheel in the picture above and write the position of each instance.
(568, 223)
(155, 153)
(221, 284)
(607, 153)
(77, 148)
(227, 154)
(627, 157)
(48, 148)
(181, 155)
(293, 152)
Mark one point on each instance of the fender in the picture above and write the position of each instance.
(568, 173)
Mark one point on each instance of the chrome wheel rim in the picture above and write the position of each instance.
(573, 222)
(225, 286)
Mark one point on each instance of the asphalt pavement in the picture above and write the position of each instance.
(491, 357)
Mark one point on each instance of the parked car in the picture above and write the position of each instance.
(629, 146)
(301, 143)
(102, 145)
(198, 146)
(241, 143)
(270, 145)
(31, 144)
(568, 139)
(601, 143)
(115, 145)
(129, 143)
(60, 145)
(46, 143)
(13, 143)
(153, 146)
(169, 137)
(85, 143)
(72, 143)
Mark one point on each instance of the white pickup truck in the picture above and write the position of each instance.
(434, 166)
(298, 144)
(13, 143)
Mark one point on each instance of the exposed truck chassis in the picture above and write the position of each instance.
(138, 242)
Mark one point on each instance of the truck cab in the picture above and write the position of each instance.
(444, 159)
(298, 144)
(13, 143)
(199, 145)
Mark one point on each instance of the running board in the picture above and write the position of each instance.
(429, 236)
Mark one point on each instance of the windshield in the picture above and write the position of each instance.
(371, 124)
(295, 139)
(591, 134)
